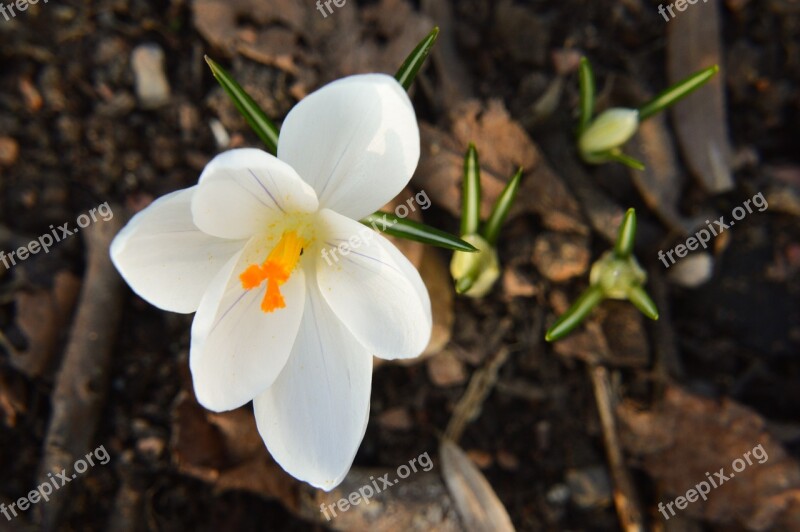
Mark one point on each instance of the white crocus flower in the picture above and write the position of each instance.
(275, 323)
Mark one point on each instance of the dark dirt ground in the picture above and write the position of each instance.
(717, 375)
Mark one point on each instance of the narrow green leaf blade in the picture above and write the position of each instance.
(623, 248)
(643, 302)
(627, 160)
(471, 193)
(410, 67)
(491, 231)
(575, 314)
(676, 92)
(266, 130)
(587, 90)
(410, 230)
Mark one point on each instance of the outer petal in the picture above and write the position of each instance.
(242, 191)
(165, 258)
(373, 289)
(356, 141)
(314, 417)
(237, 349)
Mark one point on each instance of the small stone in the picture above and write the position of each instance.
(151, 446)
(507, 460)
(560, 256)
(692, 271)
(516, 284)
(221, 136)
(9, 151)
(397, 418)
(482, 459)
(445, 370)
(152, 86)
(558, 494)
(590, 487)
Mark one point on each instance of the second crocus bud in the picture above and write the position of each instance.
(610, 130)
(475, 273)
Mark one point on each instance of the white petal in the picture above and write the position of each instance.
(242, 191)
(165, 258)
(373, 289)
(237, 349)
(356, 141)
(314, 417)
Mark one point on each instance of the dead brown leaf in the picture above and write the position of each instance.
(686, 436)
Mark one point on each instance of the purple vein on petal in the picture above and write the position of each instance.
(319, 339)
(342, 154)
(224, 314)
(391, 266)
(266, 189)
(256, 196)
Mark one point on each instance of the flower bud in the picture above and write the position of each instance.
(611, 129)
(475, 273)
(617, 276)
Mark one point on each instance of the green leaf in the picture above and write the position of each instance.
(266, 130)
(676, 92)
(491, 231)
(627, 234)
(466, 282)
(642, 301)
(618, 156)
(408, 71)
(575, 314)
(410, 230)
(587, 90)
(471, 193)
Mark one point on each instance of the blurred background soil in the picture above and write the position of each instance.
(111, 101)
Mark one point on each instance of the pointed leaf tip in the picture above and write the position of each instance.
(411, 66)
(258, 121)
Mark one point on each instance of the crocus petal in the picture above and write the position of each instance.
(356, 141)
(237, 350)
(242, 191)
(314, 417)
(373, 289)
(165, 258)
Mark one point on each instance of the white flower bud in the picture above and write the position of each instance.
(481, 264)
(611, 129)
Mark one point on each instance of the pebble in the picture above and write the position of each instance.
(590, 487)
(152, 86)
(9, 151)
(692, 271)
(560, 256)
(397, 418)
(445, 370)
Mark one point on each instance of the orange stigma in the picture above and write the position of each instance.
(276, 270)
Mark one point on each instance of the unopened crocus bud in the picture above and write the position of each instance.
(611, 129)
(475, 273)
(616, 276)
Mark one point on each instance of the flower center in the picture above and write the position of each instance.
(276, 270)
